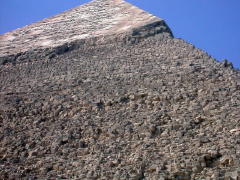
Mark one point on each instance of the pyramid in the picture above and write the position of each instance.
(104, 91)
(99, 18)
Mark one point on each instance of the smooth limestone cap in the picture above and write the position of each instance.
(97, 18)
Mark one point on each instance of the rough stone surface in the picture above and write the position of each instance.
(136, 104)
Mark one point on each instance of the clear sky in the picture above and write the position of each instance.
(212, 25)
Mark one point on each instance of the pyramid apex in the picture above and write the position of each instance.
(93, 19)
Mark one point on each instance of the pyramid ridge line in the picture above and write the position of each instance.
(93, 19)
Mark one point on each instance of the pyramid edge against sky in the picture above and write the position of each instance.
(134, 104)
(98, 18)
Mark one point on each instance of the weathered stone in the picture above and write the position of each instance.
(104, 91)
(234, 175)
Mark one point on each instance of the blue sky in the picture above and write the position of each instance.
(212, 25)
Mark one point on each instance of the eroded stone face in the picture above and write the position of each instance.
(159, 109)
(136, 105)
(97, 18)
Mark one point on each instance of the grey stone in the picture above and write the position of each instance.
(96, 96)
